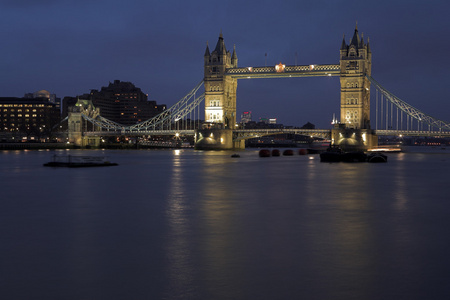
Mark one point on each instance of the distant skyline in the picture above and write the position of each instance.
(70, 47)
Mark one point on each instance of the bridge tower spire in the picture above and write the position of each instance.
(356, 63)
(220, 90)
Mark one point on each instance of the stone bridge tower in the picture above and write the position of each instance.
(356, 63)
(354, 132)
(76, 126)
(220, 90)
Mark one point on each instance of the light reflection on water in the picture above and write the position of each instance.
(202, 225)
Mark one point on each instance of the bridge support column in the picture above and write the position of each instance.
(91, 141)
(214, 139)
(239, 145)
(354, 139)
(75, 126)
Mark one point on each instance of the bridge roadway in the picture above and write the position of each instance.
(284, 71)
(239, 134)
(242, 134)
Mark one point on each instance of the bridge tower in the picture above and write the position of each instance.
(354, 132)
(220, 90)
(356, 63)
(76, 127)
(220, 100)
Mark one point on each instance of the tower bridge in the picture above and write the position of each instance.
(220, 131)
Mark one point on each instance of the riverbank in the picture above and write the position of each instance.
(34, 146)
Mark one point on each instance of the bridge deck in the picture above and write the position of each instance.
(412, 133)
(284, 71)
(249, 133)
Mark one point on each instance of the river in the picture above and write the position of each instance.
(185, 224)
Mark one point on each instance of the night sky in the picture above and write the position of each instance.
(70, 47)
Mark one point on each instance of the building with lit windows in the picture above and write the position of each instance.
(27, 117)
(246, 117)
(122, 102)
(44, 94)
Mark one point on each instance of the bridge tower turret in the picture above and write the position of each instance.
(220, 90)
(356, 63)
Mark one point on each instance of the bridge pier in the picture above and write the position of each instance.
(214, 139)
(349, 139)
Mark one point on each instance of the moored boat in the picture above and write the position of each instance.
(303, 151)
(354, 156)
(333, 154)
(288, 152)
(264, 153)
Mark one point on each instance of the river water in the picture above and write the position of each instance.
(185, 224)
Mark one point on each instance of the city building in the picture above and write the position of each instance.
(121, 102)
(264, 120)
(246, 117)
(46, 95)
(29, 118)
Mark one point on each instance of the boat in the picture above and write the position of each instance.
(303, 151)
(333, 154)
(72, 161)
(235, 155)
(264, 153)
(288, 152)
(376, 157)
(354, 156)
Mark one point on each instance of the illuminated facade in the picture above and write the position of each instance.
(31, 117)
(77, 126)
(246, 117)
(220, 90)
(356, 63)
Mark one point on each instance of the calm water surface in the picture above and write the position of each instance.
(184, 224)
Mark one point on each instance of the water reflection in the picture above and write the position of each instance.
(201, 225)
(219, 216)
(342, 222)
(180, 265)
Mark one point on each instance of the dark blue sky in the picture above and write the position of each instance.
(70, 47)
